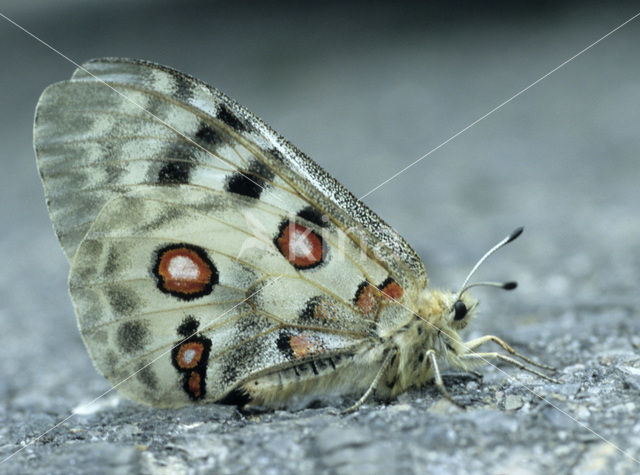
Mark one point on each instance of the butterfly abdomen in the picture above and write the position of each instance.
(313, 378)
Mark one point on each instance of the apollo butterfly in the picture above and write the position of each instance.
(212, 261)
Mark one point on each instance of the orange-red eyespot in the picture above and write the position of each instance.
(194, 386)
(189, 354)
(391, 289)
(366, 298)
(190, 358)
(185, 271)
(299, 245)
(304, 345)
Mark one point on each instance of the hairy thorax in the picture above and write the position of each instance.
(432, 329)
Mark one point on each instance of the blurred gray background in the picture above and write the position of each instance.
(366, 88)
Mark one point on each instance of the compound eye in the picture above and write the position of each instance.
(460, 310)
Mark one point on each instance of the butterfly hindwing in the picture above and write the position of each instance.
(206, 250)
(157, 268)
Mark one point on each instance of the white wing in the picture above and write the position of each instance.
(178, 209)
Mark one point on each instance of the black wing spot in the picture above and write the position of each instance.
(123, 300)
(174, 173)
(147, 377)
(132, 336)
(314, 216)
(188, 326)
(176, 169)
(308, 313)
(245, 184)
(284, 344)
(113, 263)
(250, 183)
(208, 135)
(230, 119)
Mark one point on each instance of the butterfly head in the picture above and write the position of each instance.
(461, 305)
(461, 310)
(444, 310)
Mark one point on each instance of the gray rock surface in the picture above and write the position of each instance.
(366, 89)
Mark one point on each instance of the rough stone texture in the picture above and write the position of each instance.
(367, 89)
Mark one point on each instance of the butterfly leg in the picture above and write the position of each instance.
(475, 343)
(437, 378)
(372, 386)
(506, 359)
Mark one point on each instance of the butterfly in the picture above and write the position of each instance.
(213, 262)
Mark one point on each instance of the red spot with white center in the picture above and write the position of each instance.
(189, 354)
(185, 271)
(300, 245)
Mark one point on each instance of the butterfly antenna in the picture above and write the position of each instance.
(504, 285)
